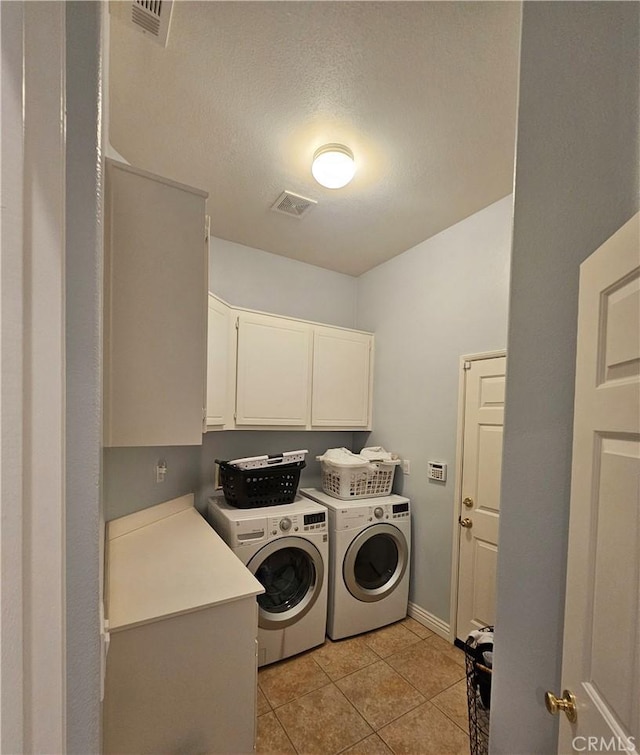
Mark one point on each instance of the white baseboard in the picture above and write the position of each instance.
(441, 628)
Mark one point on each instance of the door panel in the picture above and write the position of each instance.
(601, 660)
(481, 473)
(489, 468)
(615, 577)
(484, 594)
(621, 331)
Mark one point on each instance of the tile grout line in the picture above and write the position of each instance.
(425, 699)
(466, 731)
(349, 703)
(413, 685)
(282, 726)
(417, 705)
(378, 658)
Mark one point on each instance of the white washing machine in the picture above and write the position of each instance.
(369, 562)
(286, 547)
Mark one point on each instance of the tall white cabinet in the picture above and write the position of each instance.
(155, 310)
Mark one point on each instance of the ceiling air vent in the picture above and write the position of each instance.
(293, 204)
(151, 17)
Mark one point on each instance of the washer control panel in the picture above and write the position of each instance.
(289, 525)
(316, 521)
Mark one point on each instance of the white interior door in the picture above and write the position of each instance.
(601, 652)
(480, 493)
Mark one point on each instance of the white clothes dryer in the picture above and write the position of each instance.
(286, 548)
(369, 561)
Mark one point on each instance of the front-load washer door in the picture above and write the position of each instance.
(291, 570)
(375, 562)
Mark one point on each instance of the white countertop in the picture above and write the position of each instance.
(165, 561)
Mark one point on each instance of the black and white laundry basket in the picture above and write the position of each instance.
(478, 652)
(256, 481)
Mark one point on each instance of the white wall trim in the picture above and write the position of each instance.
(11, 374)
(440, 627)
(457, 496)
(32, 349)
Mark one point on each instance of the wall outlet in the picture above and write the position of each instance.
(406, 466)
(161, 470)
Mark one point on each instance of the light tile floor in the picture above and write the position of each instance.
(399, 689)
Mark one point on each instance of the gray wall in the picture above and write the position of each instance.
(444, 298)
(576, 183)
(130, 477)
(257, 280)
(260, 280)
(83, 365)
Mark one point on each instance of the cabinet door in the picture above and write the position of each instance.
(342, 362)
(274, 371)
(155, 310)
(221, 360)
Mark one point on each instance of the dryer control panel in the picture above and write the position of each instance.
(353, 517)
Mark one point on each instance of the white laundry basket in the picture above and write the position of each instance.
(347, 481)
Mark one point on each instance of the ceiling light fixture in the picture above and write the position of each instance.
(333, 166)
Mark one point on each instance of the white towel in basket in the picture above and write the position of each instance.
(343, 458)
(377, 453)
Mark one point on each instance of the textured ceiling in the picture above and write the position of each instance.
(424, 93)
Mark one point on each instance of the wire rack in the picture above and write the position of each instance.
(478, 698)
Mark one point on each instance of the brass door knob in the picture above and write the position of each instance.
(466, 522)
(567, 703)
(468, 502)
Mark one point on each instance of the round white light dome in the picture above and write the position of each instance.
(333, 166)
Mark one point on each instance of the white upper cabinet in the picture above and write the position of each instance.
(221, 364)
(280, 372)
(274, 371)
(342, 361)
(155, 310)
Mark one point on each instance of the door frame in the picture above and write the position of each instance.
(457, 495)
(33, 658)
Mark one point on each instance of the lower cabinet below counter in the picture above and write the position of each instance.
(183, 621)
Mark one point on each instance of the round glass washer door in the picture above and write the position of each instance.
(375, 562)
(291, 571)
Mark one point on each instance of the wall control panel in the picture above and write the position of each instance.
(438, 471)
